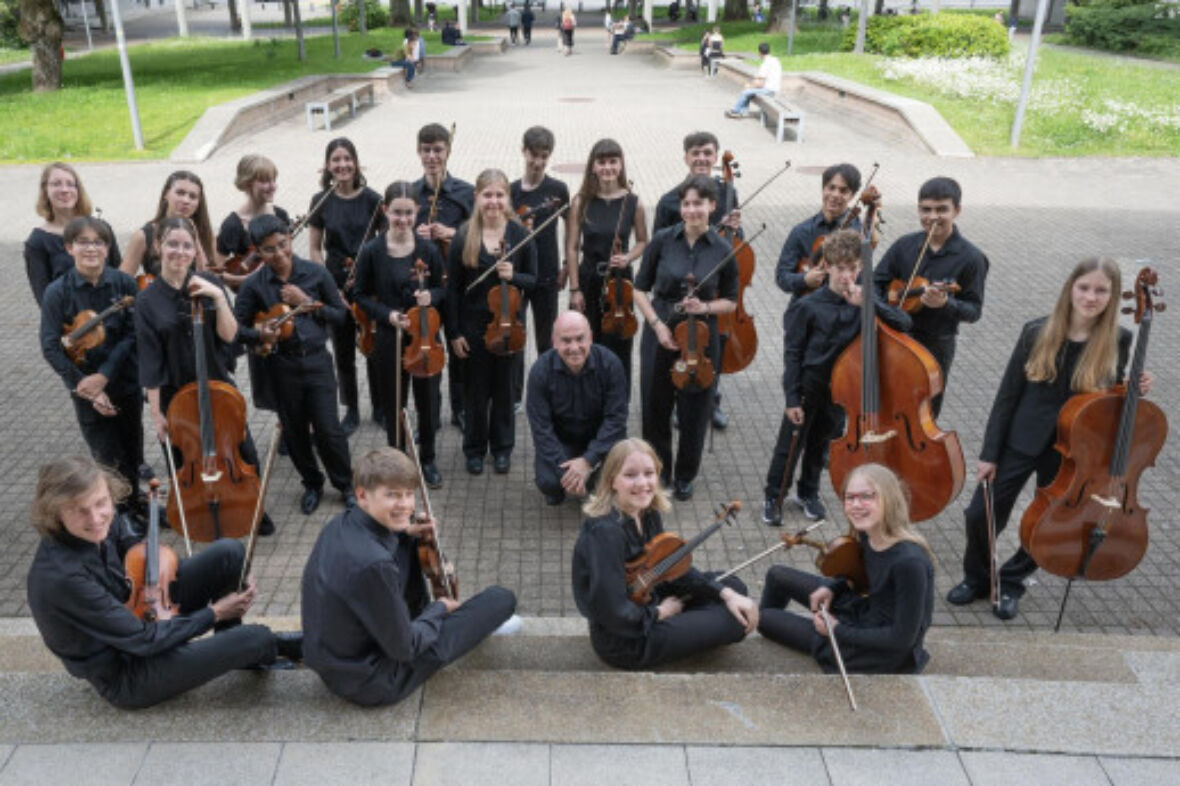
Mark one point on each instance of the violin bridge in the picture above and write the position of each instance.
(1106, 502)
(872, 437)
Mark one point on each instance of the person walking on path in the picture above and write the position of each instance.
(512, 17)
(568, 23)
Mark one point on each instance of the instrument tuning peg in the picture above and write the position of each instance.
(1128, 294)
(1127, 310)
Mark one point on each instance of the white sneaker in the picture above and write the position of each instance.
(511, 626)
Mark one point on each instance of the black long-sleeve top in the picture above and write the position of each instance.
(76, 593)
(957, 261)
(1024, 414)
(798, 246)
(115, 357)
(548, 251)
(668, 208)
(46, 259)
(234, 238)
(346, 224)
(605, 544)
(456, 201)
(819, 330)
(567, 409)
(883, 632)
(385, 284)
(467, 313)
(364, 603)
(261, 291)
(667, 262)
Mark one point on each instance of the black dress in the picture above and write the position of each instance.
(598, 235)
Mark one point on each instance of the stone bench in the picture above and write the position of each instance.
(780, 112)
(451, 59)
(347, 96)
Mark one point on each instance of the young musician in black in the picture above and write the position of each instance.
(692, 614)
(256, 178)
(1076, 349)
(338, 227)
(883, 630)
(183, 196)
(492, 230)
(103, 382)
(371, 631)
(662, 295)
(818, 330)
(77, 588)
(444, 203)
(298, 368)
(387, 288)
(950, 260)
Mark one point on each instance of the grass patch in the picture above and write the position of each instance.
(745, 37)
(13, 56)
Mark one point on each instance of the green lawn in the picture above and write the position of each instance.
(13, 55)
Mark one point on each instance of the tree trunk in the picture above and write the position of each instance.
(633, 9)
(879, 8)
(235, 22)
(400, 14)
(419, 13)
(736, 11)
(104, 21)
(779, 18)
(288, 19)
(300, 46)
(41, 26)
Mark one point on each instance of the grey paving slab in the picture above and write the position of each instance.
(859, 767)
(1136, 771)
(111, 763)
(987, 768)
(756, 766)
(210, 764)
(474, 763)
(360, 763)
(619, 765)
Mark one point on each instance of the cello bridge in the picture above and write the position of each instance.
(872, 437)
(1106, 502)
(211, 477)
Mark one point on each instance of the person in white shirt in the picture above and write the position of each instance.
(767, 82)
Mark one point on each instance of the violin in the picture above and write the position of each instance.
(868, 195)
(618, 309)
(86, 331)
(913, 291)
(143, 281)
(444, 243)
(505, 334)
(693, 370)
(1088, 522)
(741, 337)
(151, 568)
(424, 357)
(436, 568)
(214, 486)
(366, 327)
(281, 317)
(884, 381)
(667, 557)
(526, 213)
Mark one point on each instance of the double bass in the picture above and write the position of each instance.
(889, 419)
(740, 343)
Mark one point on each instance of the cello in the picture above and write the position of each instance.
(740, 342)
(1088, 522)
(889, 420)
(424, 357)
(151, 568)
(214, 486)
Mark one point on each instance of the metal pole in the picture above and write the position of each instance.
(360, 15)
(181, 18)
(791, 32)
(86, 24)
(247, 28)
(335, 29)
(1029, 66)
(862, 24)
(128, 83)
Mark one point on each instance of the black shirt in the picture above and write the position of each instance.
(668, 208)
(568, 409)
(115, 357)
(385, 284)
(456, 201)
(467, 313)
(346, 224)
(548, 251)
(233, 237)
(820, 329)
(1024, 414)
(364, 603)
(47, 260)
(600, 223)
(260, 292)
(76, 594)
(798, 246)
(958, 261)
(668, 260)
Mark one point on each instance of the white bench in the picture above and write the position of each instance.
(773, 107)
(348, 95)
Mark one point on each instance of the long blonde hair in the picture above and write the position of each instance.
(603, 499)
(474, 226)
(1097, 368)
(895, 504)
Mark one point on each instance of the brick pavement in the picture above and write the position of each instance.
(1033, 218)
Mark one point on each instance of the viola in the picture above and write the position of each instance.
(151, 568)
(505, 334)
(912, 300)
(692, 371)
(86, 331)
(667, 556)
(1088, 522)
(424, 357)
(884, 381)
(215, 487)
(436, 568)
(281, 317)
(741, 337)
(618, 309)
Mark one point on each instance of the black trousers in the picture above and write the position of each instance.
(703, 625)
(943, 350)
(694, 408)
(424, 390)
(547, 474)
(513, 32)
(308, 399)
(488, 402)
(1012, 472)
(543, 302)
(115, 441)
(456, 381)
(783, 585)
(591, 285)
(344, 351)
(211, 574)
(821, 424)
(528, 33)
(461, 631)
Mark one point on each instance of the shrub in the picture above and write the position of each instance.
(1151, 28)
(376, 15)
(932, 35)
(9, 21)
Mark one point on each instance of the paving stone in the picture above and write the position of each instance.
(750, 766)
(475, 763)
(312, 764)
(986, 768)
(1136, 771)
(210, 764)
(110, 763)
(859, 767)
(619, 765)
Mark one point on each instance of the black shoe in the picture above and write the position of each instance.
(349, 499)
(814, 509)
(379, 417)
(431, 476)
(310, 501)
(720, 419)
(283, 444)
(1007, 608)
(771, 515)
(289, 645)
(266, 526)
(683, 490)
(459, 419)
(352, 419)
(965, 592)
(474, 466)
(501, 464)
(553, 500)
